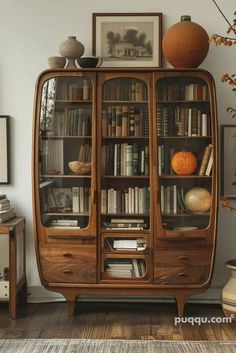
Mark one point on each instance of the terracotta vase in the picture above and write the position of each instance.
(71, 49)
(228, 299)
(185, 44)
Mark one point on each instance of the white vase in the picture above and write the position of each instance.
(71, 49)
(229, 292)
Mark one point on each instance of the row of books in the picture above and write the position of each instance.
(85, 153)
(6, 211)
(80, 90)
(125, 268)
(134, 200)
(177, 91)
(64, 223)
(72, 122)
(125, 159)
(125, 90)
(207, 161)
(125, 224)
(125, 244)
(182, 121)
(74, 199)
(122, 121)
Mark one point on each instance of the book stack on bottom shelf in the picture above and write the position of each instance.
(6, 211)
(130, 268)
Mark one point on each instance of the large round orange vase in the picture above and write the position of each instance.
(185, 44)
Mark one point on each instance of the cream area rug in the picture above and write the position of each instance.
(112, 346)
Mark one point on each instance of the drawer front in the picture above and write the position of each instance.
(68, 254)
(69, 266)
(182, 257)
(181, 275)
(4, 291)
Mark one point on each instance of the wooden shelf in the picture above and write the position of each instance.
(124, 102)
(189, 214)
(66, 176)
(125, 177)
(185, 177)
(65, 101)
(66, 213)
(65, 137)
(184, 137)
(182, 101)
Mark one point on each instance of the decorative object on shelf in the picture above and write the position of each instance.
(90, 61)
(4, 149)
(198, 199)
(185, 44)
(128, 39)
(71, 49)
(228, 298)
(184, 163)
(80, 168)
(56, 62)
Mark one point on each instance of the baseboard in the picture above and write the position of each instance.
(38, 294)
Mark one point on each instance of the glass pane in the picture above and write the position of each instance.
(65, 152)
(185, 152)
(125, 194)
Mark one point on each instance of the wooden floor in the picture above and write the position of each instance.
(113, 320)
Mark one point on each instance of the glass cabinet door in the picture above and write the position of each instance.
(65, 161)
(184, 152)
(125, 174)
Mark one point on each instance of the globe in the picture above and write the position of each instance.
(198, 199)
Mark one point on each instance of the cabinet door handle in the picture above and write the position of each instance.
(68, 272)
(182, 274)
(67, 255)
(183, 257)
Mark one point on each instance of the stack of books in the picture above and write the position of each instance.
(125, 268)
(64, 223)
(125, 244)
(126, 223)
(6, 212)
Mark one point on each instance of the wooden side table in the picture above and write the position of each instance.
(12, 263)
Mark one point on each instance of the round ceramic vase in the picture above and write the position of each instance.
(185, 44)
(71, 49)
(229, 292)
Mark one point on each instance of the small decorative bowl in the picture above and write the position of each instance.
(80, 168)
(56, 62)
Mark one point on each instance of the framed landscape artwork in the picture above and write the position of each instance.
(4, 150)
(228, 161)
(128, 39)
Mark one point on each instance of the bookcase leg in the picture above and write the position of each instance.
(181, 302)
(71, 303)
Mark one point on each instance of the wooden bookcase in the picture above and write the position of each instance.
(122, 226)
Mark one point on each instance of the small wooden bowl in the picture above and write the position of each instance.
(80, 168)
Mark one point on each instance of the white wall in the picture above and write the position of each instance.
(30, 32)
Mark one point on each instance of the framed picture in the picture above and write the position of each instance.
(228, 161)
(128, 39)
(4, 150)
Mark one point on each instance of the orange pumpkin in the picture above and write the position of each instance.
(184, 163)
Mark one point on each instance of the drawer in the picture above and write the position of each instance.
(181, 275)
(69, 266)
(68, 254)
(187, 257)
(4, 290)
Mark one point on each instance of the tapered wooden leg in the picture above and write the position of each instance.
(71, 303)
(181, 302)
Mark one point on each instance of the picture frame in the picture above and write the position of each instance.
(128, 39)
(4, 149)
(228, 161)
